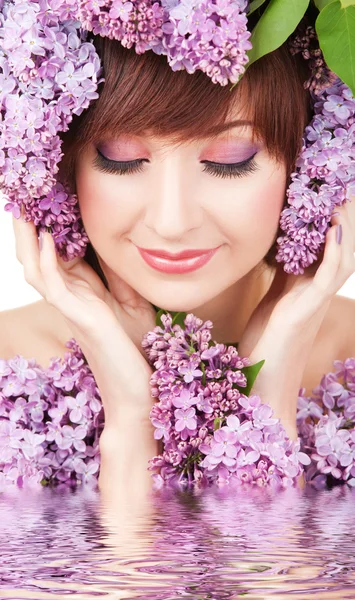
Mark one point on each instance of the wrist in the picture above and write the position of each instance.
(126, 446)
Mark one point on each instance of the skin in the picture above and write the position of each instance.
(173, 204)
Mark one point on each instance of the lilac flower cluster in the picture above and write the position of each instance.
(50, 421)
(210, 36)
(48, 72)
(326, 423)
(324, 178)
(305, 41)
(211, 431)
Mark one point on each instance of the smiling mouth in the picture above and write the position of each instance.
(183, 262)
(178, 255)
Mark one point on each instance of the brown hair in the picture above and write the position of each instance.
(141, 93)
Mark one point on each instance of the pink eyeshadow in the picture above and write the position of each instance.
(122, 150)
(230, 152)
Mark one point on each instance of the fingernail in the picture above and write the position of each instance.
(335, 214)
(40, 240)
(339, 233)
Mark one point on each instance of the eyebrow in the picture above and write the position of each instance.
(229, 125)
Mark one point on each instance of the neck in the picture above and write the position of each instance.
(232, 309)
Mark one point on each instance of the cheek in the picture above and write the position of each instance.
(251, 211)
(105, 204)
(269, 203)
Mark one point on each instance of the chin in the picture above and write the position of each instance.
(178, 301)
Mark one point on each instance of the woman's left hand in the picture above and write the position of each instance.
(284, 326)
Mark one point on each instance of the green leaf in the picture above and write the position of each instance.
(346, 3)
(217, 423)
(178, 319)
(335, 28)
(254, 5)
(251, 374)
(276, 24)
(320, 4)
(203, 369)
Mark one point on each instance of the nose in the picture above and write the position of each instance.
(173, 208)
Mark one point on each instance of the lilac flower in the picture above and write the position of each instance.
(307, 407)
(10, 436)
(185, 400)
(262, 416)
(32, 444)
(21, 369)
(53, 202)
(86, 471)
(162, 427)
(4, 369)
(76, 405)
(210, 431)
(40, 48)
(185, 419)
(121, 10)
(322, 181)
(73, 437)
(36, 435)
(190, 372)
(12, 387)
(224, 443)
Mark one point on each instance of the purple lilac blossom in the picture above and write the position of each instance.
(51, 419)
(48, 72)
(210, 36)
(326, 424)
(47, 433)
(324, 178)
(219, 435)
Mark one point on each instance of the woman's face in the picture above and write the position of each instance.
(223, 193)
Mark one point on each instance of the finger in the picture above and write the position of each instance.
(347, 265)
(327, 272)
(56, 290)
(27, 252)
(338, 262)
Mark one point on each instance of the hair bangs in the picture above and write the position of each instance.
(141, 94)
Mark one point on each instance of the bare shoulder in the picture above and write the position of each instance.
(335, 341)
(340, 325)
(36, 330)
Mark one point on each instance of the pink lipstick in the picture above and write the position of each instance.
(182, 262)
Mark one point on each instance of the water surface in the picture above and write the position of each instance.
(218, 544)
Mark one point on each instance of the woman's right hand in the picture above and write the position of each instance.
(109, 329)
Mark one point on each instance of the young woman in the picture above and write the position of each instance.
(181, 184)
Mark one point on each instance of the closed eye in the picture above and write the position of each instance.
(225, 170)
(222, 170)
(117, 167)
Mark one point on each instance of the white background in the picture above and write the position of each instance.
(16, 292)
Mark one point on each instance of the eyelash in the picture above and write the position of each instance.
(222, 170)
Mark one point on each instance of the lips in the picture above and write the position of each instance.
(178, 255)
(181, 262)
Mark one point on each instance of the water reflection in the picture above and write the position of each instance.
(215, 544)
